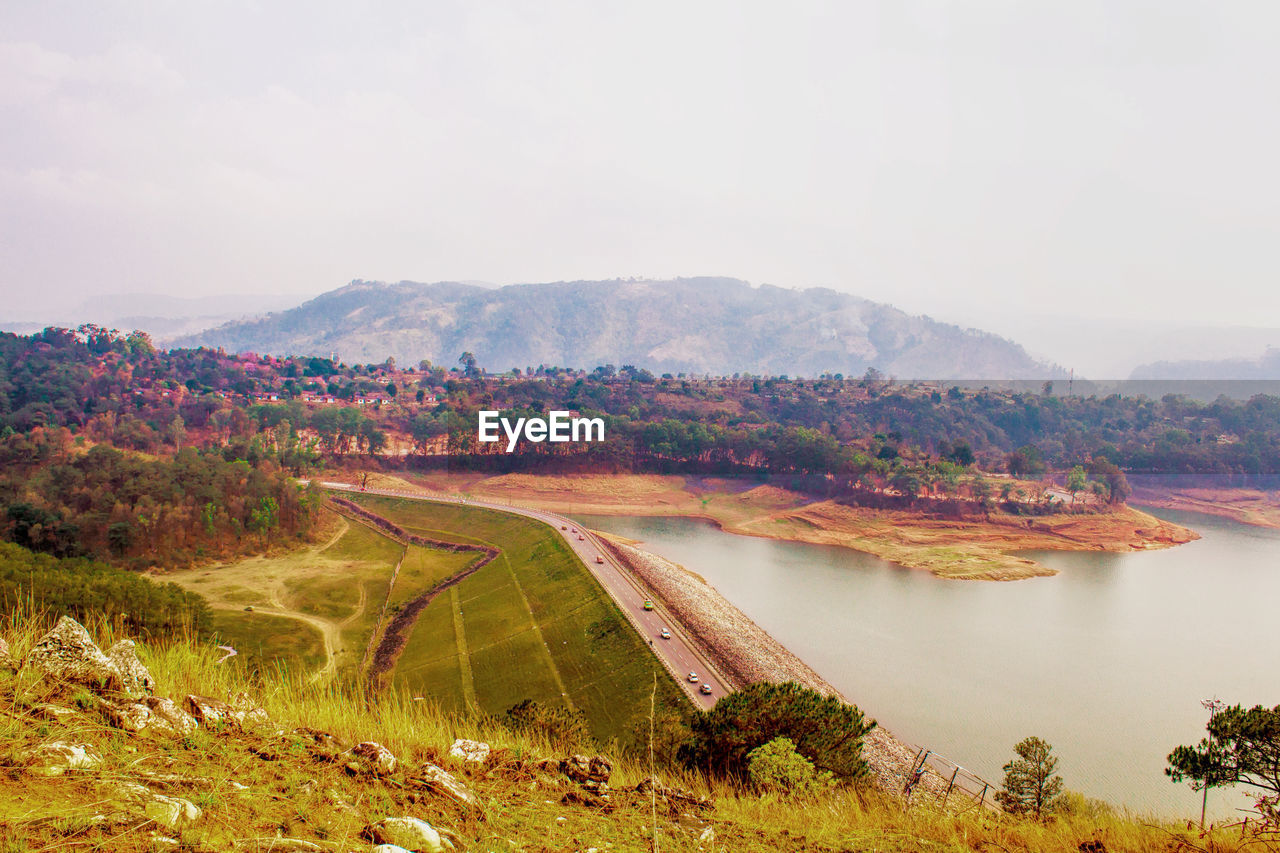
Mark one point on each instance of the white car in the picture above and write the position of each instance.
(666, 635)
(693, 678)
(705, 688)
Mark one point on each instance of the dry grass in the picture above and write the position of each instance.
(294, 795)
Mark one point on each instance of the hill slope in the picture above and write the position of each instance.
(696, 325)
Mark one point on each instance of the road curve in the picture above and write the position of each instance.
(678, 654)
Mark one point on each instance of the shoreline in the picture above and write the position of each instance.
(1253, 507)
(748, 654)
(987, 548)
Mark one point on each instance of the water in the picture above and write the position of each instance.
(1108, 660)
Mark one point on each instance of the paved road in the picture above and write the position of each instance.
(677, 654)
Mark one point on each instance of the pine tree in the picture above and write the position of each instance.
(1029, 783)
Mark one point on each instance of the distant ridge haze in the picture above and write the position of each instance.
(693, 325)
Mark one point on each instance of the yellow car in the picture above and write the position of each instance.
(648, 605)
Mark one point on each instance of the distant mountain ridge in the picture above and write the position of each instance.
(694, 325)
(1266, 366)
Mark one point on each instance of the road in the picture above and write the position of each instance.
(678, 654)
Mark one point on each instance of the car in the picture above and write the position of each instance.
(575, 530)
(648, 605)
(705, 688)
(564, 527)
(666, 635)
(581, 538)
(693, 678)
(599, 560)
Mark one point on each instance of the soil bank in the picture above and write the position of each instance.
(977, 548)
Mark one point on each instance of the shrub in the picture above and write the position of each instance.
(777, 767)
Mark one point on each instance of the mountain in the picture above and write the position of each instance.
(163, 317)
(693, 325)
(1266, 366)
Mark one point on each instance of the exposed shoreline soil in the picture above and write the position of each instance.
(1254, 507)
(973, 548)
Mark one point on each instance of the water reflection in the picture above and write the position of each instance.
(1108, 660)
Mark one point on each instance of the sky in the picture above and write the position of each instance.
(1065, 168)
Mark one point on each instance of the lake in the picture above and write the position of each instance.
(1108, 661)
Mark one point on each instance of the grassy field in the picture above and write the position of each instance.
(334, 590)
(266, 641)
(535, 625)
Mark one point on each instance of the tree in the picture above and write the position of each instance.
(1077, 480)
(1108, 472)
(1026, 462)
(824, 730)
(468, 362)
(562, 728)
(1243, 747)
(1029, 783)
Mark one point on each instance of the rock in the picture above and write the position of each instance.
(173, 812)
(374, 758)
(248, 713)
(67, 653)
(47, 711)
(6, 657)
(410, 833)
(389, 848)
(584, 798)
(55, 759)
(137, 679)
(671, 795)
(240, 713)
(579, 768)
(276, 844)
(446, 784)
(470, 750)
(151, 713)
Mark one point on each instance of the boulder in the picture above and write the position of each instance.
(447, 785)
(410, 833)
(67, 653)
(137, 679)
(171, 812)
(389, 848)
(470, 750)
(374, 758)
(209, 713)
(579, 768)
(240, 713)
(57, 758)
(151, 713)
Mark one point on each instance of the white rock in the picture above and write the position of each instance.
(68, 653)
(409, 833)
(375, 757)
(445, 783)
(389, 848)
(470, 750)
(55, 759)
(173, 812)
(136, 677)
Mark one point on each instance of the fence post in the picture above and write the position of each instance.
(950, 785)
(982, 800)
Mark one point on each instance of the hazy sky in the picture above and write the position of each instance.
(956, 159)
